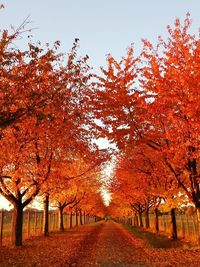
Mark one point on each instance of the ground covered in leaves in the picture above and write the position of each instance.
(103, 244)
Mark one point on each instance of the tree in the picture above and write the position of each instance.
(117, 102)
(24, 75)
(172, 76)
(163, 112)
(41, 115)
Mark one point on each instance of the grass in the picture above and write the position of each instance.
(34, 230)
(154, 240)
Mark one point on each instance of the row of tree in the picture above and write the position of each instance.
(148, 106)
(151, 109)
(46, 130)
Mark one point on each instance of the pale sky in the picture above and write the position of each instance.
(103, 26)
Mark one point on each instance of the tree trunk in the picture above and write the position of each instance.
(136, 223)
(1, 229)
(84, 218)
(81, 219)
(140, 219)
(173, 224)
(147, 219)
(18, 225)
(156, 222)
(198, 224)
(46, 216)
(61, 223)
(70, 221)
(134, 220)
(76, 217)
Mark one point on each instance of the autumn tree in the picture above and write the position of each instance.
(117, 102)
(171, 73)
(24, 75)
(77, 175)
(42, 109)
(29, 80)
(162, 110)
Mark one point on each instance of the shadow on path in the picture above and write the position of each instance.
(85, 247)
(154, 240)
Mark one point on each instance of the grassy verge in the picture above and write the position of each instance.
(154, 240)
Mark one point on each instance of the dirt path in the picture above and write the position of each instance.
(111, 246)
(105, 244)
(56, 250)
(114, 247)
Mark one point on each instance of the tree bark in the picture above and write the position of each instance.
(76, 216)
(81, 219)
(140, 219)
(136, 223)
(147, 219)
(70, 220)
(84, 218)
(46, 216)
(61, 222)
(1, 229)
(173, 224)
(198, 224)
(156, 222)
(18, 225)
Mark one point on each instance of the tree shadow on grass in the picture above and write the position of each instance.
(154, 240)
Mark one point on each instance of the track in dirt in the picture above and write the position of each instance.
(109, 245)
